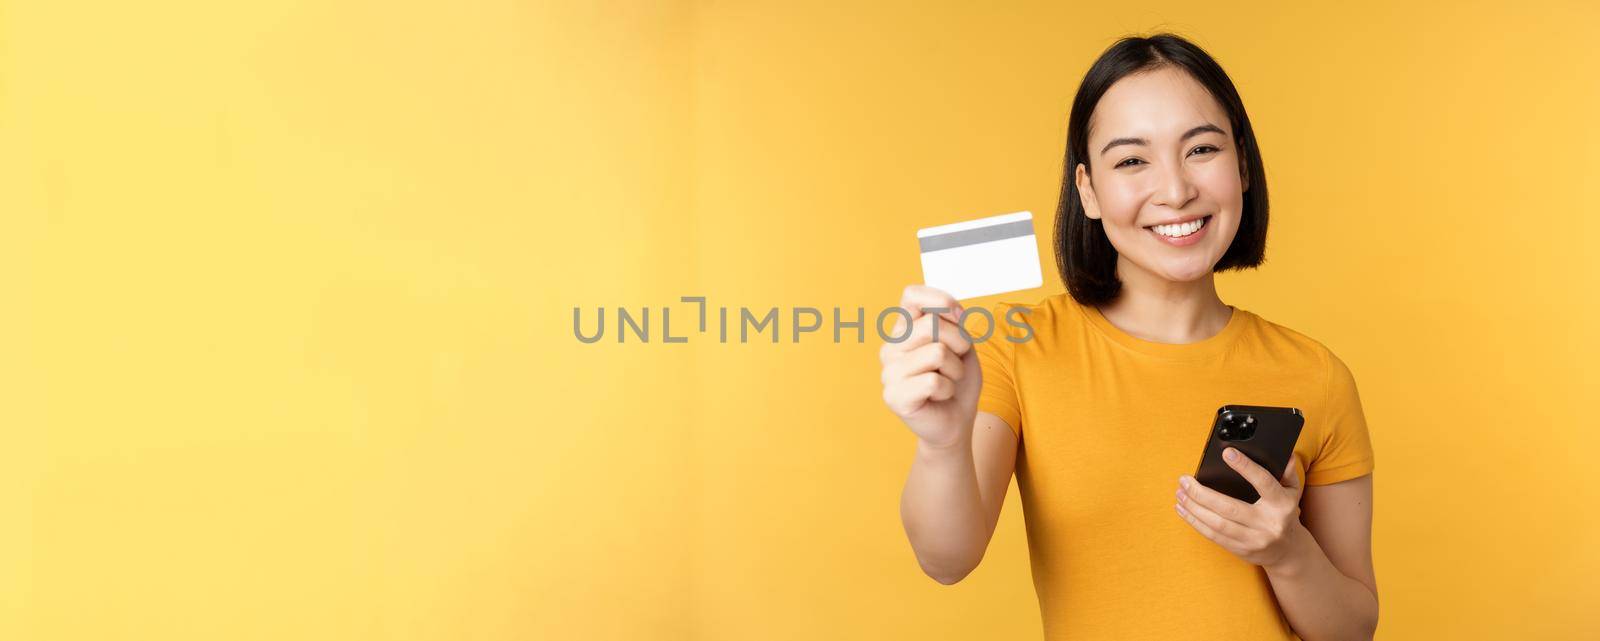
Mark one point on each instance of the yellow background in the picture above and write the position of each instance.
(288, 292)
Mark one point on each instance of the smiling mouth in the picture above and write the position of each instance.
(1180, 230)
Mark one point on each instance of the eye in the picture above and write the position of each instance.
(1202, 148)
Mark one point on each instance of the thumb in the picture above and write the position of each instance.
(971, 370)
(1292, 477)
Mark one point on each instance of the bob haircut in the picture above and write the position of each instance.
(1085, 257)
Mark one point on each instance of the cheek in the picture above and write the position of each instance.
(1220, 183)
(1120, 203)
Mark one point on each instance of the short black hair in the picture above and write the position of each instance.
(1085, 257)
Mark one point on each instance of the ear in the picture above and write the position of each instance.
(1244, 174)
(1091, 206)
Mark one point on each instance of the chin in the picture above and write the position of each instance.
(1186, 273)
(1187, 277)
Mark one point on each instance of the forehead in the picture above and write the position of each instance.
(1162, 103)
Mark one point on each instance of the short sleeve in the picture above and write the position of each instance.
(997, 357)
(1346, 449)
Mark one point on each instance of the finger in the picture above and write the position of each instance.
(898, 329)
(1235, 533)
(906, 396)
(949, 334)
(1206, 531)
(1223, 505)
(928, 358)
(919, 334)
(937, 387)
(1258, 476)
(916, 298)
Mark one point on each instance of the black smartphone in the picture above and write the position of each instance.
(1265, 434)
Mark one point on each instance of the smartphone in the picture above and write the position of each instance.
(1265, 434)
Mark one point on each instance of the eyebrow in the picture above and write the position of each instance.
(1205, 128)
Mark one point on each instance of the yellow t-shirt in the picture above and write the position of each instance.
(1106, 424)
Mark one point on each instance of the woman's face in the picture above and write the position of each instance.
(1161, 151)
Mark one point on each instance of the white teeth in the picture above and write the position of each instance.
(1180, 230)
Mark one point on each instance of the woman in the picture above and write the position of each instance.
(1102, 403)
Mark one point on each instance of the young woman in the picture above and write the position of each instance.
(1101, 405)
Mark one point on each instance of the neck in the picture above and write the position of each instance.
(1155, 309)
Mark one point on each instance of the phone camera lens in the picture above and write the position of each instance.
(1245, 428)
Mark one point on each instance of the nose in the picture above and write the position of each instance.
(1176, 188)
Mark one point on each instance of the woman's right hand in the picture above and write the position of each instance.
(932, 385)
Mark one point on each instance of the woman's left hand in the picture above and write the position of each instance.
(1266, 532)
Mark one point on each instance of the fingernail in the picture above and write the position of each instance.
(1229, 454)
(1184, 481)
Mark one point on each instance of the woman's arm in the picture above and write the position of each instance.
(965, 458)
(1327, 587)
(1320, 569)
(953, 496)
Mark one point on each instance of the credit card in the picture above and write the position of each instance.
(980, 257)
